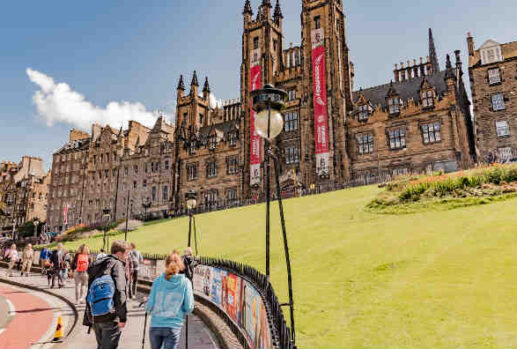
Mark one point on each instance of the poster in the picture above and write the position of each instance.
(319, 81)
(255, 141)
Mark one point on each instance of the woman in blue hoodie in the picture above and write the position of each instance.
(170, 300)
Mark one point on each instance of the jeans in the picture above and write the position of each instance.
(133, 284)
(107, 334)
(164, 337)
(56, 273)
(81, 283)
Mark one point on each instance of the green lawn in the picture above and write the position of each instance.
(439, 279)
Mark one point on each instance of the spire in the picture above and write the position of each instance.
(206, 88)
(278, 10)
(266, 3)
(181, 84)
(194, 80)
(435, 66)
(247, 8)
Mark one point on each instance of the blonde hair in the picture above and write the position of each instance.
(173, 265)
(83, 249)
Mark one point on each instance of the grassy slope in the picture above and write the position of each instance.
(437, 279)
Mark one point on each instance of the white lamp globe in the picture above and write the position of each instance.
(191, 204)
(261, 123)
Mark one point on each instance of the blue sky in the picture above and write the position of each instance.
(133, 50)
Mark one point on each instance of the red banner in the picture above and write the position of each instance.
(320, 102)
(255, 141)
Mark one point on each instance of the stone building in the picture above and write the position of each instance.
(24, 188)
(493, 80)
(419, 123)
(332, 135)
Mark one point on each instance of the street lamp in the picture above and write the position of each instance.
(269, 103)
(146, 205)
(106, 214)
(36, 223)
(191, 199)
(129, 203)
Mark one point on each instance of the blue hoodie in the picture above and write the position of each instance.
(169, 301)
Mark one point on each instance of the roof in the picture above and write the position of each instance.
(408, 89)
(80, 144)
(509, 50)
(221, 128)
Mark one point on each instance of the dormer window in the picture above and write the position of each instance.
(394, 105)
(212, 142)
(232, 137)
(427, 97)
(192, 148)
(490, 52)
(364, 112)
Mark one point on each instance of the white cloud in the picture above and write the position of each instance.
(58, 103)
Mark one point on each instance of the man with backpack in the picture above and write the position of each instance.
(106, 309)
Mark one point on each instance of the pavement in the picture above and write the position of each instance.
(200, 336)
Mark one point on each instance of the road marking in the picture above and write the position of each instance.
(10, 313)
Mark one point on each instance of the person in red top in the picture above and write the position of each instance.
(80, 266)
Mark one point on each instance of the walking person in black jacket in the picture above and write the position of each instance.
(57, 260)
(108, 328)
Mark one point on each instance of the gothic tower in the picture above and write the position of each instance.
(327, 91)
(262, 43)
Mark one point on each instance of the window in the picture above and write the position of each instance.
(427, 98)
(126, 171)
(107, 158)
(95, 159)
(134, 184)
(192, 148)
(200, 119)
(232, 165)
(365, 142)
(491, 55)
(153, 193)
(232, 136)
(231, 195)
(211, 199)
(505, 154)
(292, 95)
(106, 174)
(255, 43)
(291, 121)
(364, 112)
(144, 183)
(101, 159)
(317, 22)
(494, 76)
(113, 172)
(498, 102)
(394, 105)
(397, 138)
(192, 172)
(212, 142)
(166, 164)
(165, 193)
(135, 169)
(211, 170)
(502, 128)
(431, 133)
(146, 168)
(291, 155)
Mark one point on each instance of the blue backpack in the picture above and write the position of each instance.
(100, 296)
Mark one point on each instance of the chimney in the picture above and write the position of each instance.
(470, 44)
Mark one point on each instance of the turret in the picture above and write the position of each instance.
(266, 9)
(248, 12)
(450, 76)
(206, 89)
(278, 16)
(194, 85)
(181, 87)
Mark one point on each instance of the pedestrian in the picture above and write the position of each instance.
(11, 257)
(57, 260)
(137, 259)
(170, 300)
(106, 309)
(67, 264)
(80, 271)
(27, 258)
(45, 260)
(129, 271)
(189, 262)
(101, 255)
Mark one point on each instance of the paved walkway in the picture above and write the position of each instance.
(200, 337)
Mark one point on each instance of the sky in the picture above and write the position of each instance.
(65, 64)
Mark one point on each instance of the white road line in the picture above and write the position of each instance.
(10, 314)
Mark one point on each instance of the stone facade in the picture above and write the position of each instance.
(493, 79)
(332, 135)
(24, 188)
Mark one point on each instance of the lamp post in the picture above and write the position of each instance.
(36, 223)
(106, 215)
(191, 199)
(146, 205)
(269, 103)
(129, 203)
